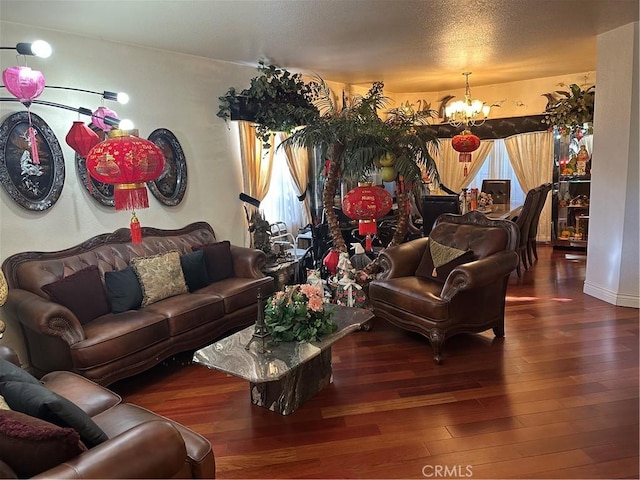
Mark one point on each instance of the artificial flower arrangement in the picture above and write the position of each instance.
(298, 314)
(485, 200)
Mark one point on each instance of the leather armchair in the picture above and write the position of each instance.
(470, 299)
(141, 444)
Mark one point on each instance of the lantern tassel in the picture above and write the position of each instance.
(131, 196)
(35, 156)
(136, 231)
(368, 243)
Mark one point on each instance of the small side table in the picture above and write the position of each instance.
(283, 273)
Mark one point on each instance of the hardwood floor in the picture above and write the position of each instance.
(556, 398)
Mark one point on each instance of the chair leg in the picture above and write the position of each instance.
(498, 330)
(534, 248)
(436, 338)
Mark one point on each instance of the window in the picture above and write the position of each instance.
(498, 165)
(281, 203)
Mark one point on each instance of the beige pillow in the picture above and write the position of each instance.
(160, 276)
(3, 404)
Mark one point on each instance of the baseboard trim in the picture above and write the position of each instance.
(609, 296)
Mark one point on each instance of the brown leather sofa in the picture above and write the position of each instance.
(439, 300)
(118, 345)
(140, 443)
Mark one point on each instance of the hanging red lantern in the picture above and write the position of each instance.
(127, 162)
(99, 115)
(81, 138)
(367, 203)
(25, 84)
(465, 143)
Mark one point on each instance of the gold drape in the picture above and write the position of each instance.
(256, 164)
(531, 156)
(451, 170)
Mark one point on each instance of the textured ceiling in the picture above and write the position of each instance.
(412, 45)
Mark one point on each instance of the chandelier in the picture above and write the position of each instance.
(467, 112)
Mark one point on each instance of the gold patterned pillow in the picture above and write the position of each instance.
(438, 261)
(160, 276)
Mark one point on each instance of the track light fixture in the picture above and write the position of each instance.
(39, 48)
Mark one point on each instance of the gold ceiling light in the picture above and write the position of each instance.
(467, 112)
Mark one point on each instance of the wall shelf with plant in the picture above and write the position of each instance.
(276, 101)
(570, 110)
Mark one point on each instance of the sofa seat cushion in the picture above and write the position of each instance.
(115, 336)
(239, 292)
(185, 312)
(415, 295)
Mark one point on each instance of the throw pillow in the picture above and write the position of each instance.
(30, 445)
(438, 260)
(195, 270)
(3, 404)
(82, 293)
(10, 372)
(123, 290)
(160, 276)
(38, 401)
(217, 257)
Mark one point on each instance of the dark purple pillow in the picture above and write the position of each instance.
(30, 445)
(82, 292)
(217, 258)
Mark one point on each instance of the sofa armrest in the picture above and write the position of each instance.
(402, 260)
(482, 272)
(44, 316)
(153, 449)
(89, 396)
(248, 262)
(8, 354)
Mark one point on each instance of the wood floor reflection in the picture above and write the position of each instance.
(556, 398)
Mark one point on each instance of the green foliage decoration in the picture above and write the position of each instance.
(278, 100)
(572, 109)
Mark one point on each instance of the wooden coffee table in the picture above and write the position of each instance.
(288, 373)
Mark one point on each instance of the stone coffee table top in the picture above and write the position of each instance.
(229, 355)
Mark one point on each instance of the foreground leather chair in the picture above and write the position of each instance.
(465, 295)
(140, 444)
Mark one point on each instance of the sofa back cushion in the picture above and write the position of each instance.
(109, 252)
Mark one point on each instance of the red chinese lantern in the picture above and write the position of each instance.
(127, 162)
(25, 84)
(366, 203)
(81, 138)
(465, 143)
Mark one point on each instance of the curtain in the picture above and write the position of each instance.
(451, 170)
(531, 156)
(298, 162)
(256, 166)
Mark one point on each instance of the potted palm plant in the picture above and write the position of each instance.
(356, 141)
(276, 101)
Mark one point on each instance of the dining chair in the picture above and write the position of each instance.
(435, 205)
(523, 222)
(545, 188)
(500, 190)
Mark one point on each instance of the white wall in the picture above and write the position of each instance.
(612, 255)
(167, 90)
